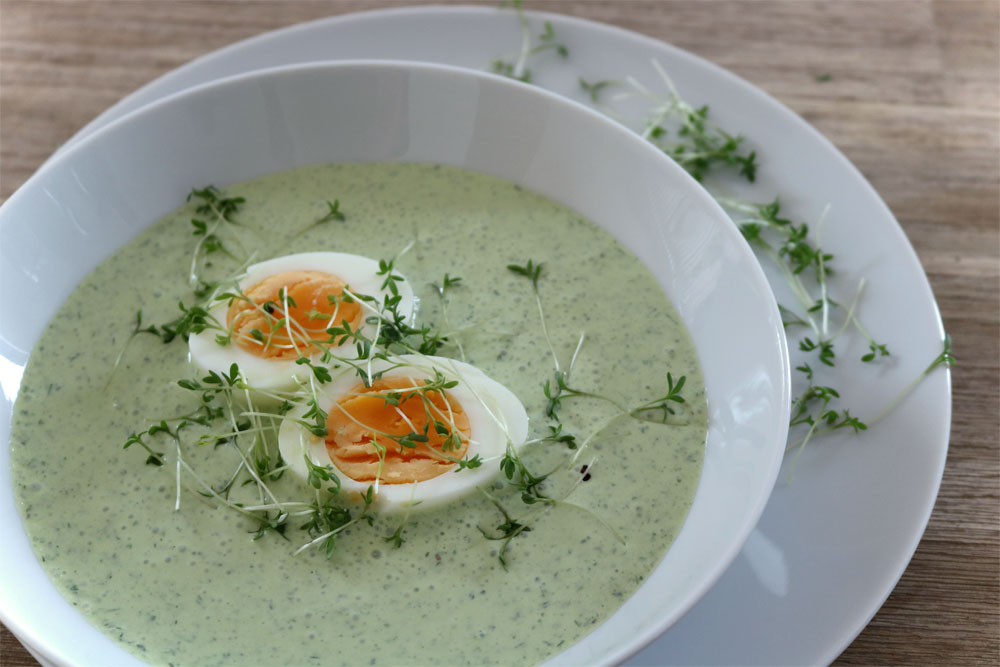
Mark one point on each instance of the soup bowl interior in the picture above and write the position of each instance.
(89, 201)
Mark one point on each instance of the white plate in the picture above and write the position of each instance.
(834, 538)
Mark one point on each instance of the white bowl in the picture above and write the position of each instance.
(89, 201)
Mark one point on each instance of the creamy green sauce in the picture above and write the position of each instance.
(192, 587)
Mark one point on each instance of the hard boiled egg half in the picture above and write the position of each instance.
(285, 307)
(405, 433)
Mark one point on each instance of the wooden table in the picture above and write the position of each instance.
(914, 102)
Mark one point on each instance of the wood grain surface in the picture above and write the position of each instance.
(914, 103)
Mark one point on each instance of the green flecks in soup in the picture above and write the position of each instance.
(193, 586)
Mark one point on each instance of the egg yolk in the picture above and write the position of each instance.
(372, 419)
(314, 305)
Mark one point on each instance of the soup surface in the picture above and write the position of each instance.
(193, 586)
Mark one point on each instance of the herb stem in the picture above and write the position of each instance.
(849, 315)
(326, 535)
(944, 359)
(821, 275)
(177, 501)
(545, 330)
(525, 51)
(576, 352)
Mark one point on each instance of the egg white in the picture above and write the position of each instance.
(495, 415)
(357, 272)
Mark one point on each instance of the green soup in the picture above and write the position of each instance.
(193, 586)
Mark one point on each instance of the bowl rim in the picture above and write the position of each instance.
(37, 645)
